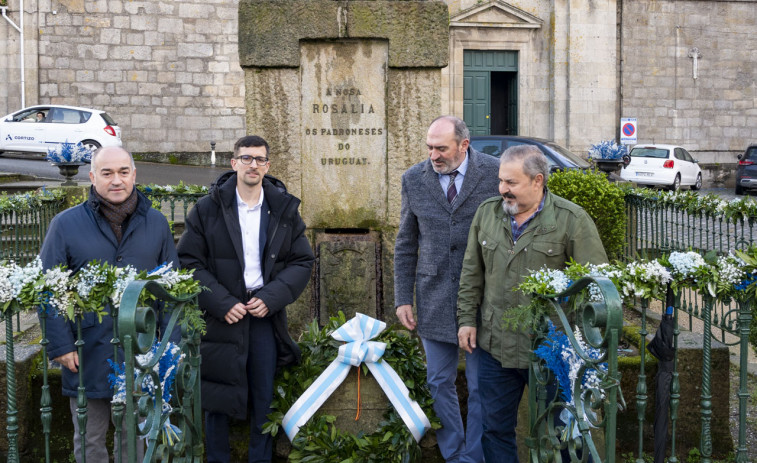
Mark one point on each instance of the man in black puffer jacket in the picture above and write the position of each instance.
(247, 245)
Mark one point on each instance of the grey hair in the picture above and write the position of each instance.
(107, 148)
(534, 161)
(461, 129)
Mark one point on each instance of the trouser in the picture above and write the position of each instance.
(98, 416)
(501, 390)
(456, 444)
(261, 367)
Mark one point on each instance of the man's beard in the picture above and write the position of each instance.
(509, 208)
(444, 169)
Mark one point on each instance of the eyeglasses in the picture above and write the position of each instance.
(247, 160)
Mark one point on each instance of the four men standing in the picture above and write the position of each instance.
(246, 243)
(439, 197)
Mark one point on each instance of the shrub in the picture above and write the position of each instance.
(603, 200)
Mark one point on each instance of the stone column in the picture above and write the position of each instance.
(344, 91)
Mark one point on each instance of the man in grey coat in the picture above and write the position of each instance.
(440, 195)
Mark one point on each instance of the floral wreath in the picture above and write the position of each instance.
(319, 440)
(60, 292)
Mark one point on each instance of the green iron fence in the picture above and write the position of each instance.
(654, 227)
(171, 433)
(562, 430)
(24, 219)
(23, 227)
(174, 206)
(658, 224)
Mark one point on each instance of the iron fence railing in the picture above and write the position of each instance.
(175, 206)
(146, 416)
(561, 429)
(22, 230)
(660, 225)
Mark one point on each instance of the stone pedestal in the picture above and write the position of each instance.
(344, 93)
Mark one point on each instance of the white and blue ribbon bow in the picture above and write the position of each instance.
(357, 333)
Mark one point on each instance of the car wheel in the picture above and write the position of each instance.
(91, 144)
(739, 190)
(698, 184)
(676, 183)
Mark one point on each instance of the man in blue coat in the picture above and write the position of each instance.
(439, 198)
(116, 225)
(247, 244)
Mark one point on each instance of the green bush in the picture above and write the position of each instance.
(603, 200)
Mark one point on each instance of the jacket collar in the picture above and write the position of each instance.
(473, 176)
(143, 205)
(278, 201)
(544, 222)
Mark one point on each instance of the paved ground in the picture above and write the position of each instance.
(161, 174)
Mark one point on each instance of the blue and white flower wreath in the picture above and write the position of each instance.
(166, 369)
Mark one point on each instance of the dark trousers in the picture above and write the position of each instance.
(261, 366)
(501, 390)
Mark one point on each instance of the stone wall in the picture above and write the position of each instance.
(567, 84)
(167, 72)
(712, 111)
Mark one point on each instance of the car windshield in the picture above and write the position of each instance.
(488, 146)
(569, 157)
(649, 153)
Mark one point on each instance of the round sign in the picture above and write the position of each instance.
(629, 130)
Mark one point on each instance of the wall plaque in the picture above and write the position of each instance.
(343, 133)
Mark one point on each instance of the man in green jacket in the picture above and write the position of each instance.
(511, 236)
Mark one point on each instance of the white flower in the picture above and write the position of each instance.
(7, 288)
(685, 264)
(88, 277)
(124, 276)
(730, 270)
(555, 280)
(55, 283)
(645, 279)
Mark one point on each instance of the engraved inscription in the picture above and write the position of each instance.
(343, 124)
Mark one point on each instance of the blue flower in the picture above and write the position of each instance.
(562, 359)
(750, 280)
(607, 149)
(68, 152)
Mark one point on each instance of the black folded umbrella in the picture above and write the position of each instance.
(662, 347)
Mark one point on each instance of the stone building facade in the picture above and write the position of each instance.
(169, 72)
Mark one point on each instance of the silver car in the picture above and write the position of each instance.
(37, 128)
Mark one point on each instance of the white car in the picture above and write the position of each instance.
(668, 166)
(37, 128)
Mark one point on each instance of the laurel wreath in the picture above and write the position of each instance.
(319, 440)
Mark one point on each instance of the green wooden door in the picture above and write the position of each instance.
(477, 100)
(490, 91)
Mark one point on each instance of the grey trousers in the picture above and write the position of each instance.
(98, 416)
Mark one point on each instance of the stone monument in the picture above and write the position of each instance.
(344, 92)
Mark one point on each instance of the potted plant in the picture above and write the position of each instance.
(68, 157)
(608, 156)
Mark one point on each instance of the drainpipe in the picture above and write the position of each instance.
(21, 46)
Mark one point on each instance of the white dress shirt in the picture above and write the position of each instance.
(444, 178)
(249, 222)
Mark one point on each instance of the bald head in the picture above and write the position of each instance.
(98, 153)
